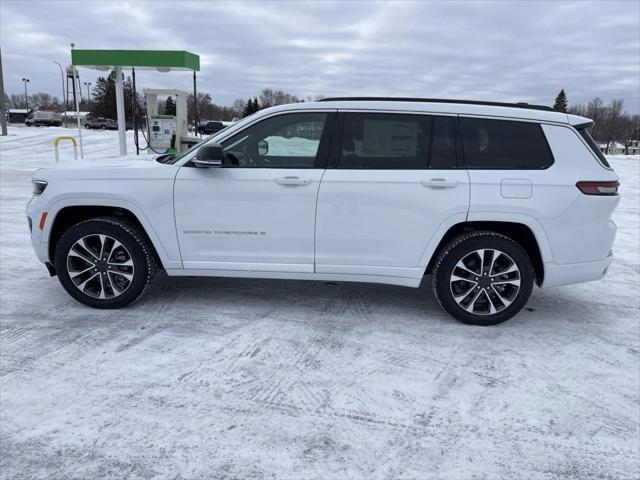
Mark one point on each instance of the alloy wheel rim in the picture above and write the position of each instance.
(100, 266)
(485, 281)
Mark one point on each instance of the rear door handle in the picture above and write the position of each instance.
(293, 181)
(439, 183)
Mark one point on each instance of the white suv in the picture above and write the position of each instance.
(487, 198)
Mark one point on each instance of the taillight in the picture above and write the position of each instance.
(599, 188)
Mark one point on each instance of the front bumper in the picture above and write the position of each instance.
(34, 213)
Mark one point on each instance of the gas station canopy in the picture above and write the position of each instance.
(160, 60)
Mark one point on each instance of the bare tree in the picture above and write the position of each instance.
(238, 106)
(595, 110)
(629, 131)
(613, 122)
(43, 101)
(17, 101)
(270, 98)
(580, 110)
(204, 106)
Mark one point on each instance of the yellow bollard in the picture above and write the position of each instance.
(66, 137)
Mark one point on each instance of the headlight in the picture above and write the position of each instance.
(38, 186)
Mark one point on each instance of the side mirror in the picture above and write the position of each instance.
(209, 156)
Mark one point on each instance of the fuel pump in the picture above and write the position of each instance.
(167, 133)
(162, 132)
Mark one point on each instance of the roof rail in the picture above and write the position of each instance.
(438, 100)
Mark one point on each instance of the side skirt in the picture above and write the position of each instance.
(330, 277)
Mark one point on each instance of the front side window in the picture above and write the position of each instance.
(394, 141)
(504, 144)
(285, 141)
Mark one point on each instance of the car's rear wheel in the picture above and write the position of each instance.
(104, 262)
(483, 278)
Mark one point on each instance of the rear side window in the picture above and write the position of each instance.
(584, 132)
(443, 144)
(504, 144)
(382, 141)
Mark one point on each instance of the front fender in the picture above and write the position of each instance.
(160, 228)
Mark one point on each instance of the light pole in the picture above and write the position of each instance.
(88, 84)
(26, 97)
(3, 117)
(63, 98)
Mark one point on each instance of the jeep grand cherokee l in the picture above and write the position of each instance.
(487, 199)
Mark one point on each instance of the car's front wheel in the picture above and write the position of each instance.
(483, 278)
(104, 262)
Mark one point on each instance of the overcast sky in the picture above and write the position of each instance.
(509, 51)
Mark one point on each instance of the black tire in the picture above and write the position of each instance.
(137, 247)
(104, 127)
(463, 247)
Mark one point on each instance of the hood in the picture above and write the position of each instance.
(110, 167)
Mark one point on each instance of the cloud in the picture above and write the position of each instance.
(519, 51)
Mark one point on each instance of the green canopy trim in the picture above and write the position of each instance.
(161, 60)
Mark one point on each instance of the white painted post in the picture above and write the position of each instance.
(122, 128)
(75, 77)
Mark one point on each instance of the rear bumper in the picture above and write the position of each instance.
(556, 275)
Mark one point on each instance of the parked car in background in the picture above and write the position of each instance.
(483, 200)
(102, 123)
(44, 119)
(209, 128)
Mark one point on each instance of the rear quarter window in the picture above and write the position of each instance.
(504, 145)
(593, 146)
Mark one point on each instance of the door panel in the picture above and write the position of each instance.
(245, 219)
(257, 212)
(382, 218)
(381, 203)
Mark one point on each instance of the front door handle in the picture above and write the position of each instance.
(293, 181)
(439, 183)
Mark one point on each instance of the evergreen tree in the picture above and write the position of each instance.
(103, 103)
(251, 106)
(246, 110)
(104, 95)
(561, 104)
(170, 107)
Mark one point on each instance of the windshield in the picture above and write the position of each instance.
(180, 156)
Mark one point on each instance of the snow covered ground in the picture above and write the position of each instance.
(225, 378)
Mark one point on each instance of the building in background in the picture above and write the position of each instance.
(615, 148)
(634, 148)
(85, 117)
(18, 115)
